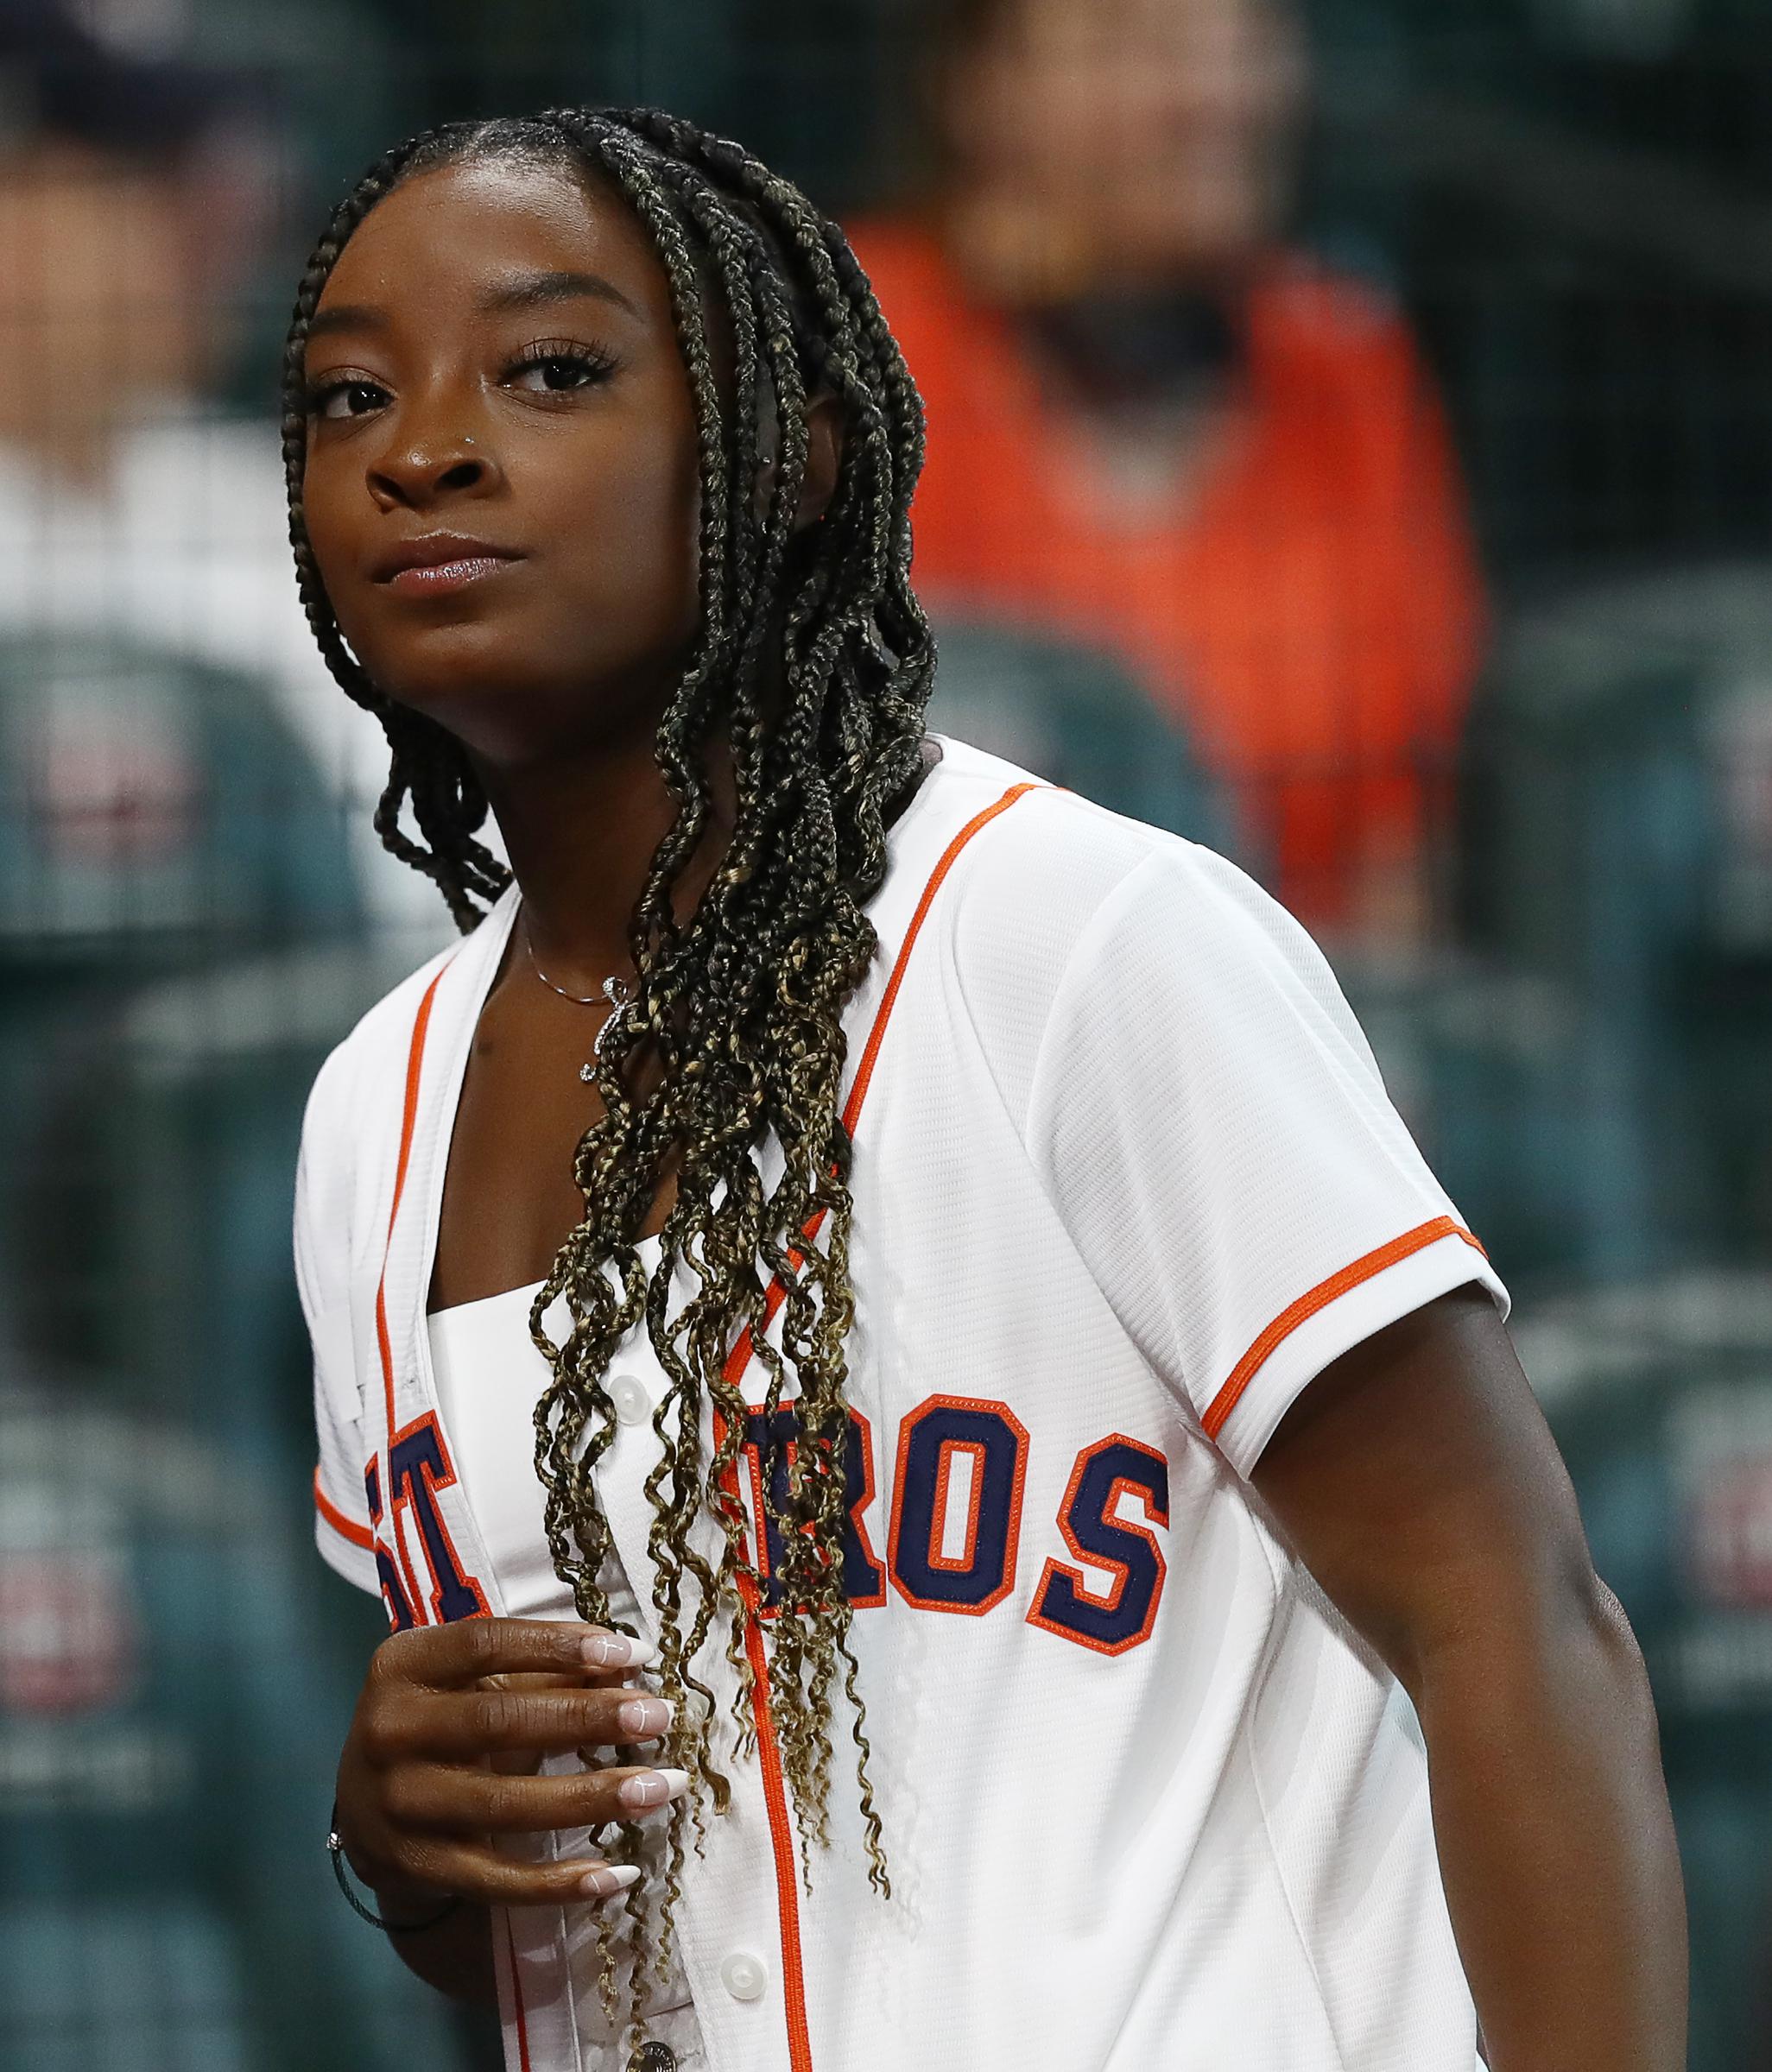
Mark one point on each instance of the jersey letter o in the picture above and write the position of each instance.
(957, 1504)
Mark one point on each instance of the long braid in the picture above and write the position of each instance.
(862, 359)
(812, 662)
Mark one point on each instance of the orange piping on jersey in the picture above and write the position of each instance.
(359, 1535)
(414, 1066)
(1320, 1298)
(781, 1839)
(950, 856)
(768, 1751)
(864, 1071)
(516, 1997)
(769, 1760)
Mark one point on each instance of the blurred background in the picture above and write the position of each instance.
(1352, 446)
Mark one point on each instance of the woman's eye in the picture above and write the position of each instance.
(545, 371)
(556, 373)
(344, 399)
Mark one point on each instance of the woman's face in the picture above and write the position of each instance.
(502, 485)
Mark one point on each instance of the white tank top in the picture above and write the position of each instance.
(489, 1377)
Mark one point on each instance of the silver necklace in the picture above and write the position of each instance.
(611, 990)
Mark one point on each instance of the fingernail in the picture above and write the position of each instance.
(607, 1880)
(617, 1651)
(652, 1788)
(641, 1719)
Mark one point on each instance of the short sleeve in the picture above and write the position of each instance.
(341, 1515)
(1212, 1128)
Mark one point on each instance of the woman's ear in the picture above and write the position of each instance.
(824, 457)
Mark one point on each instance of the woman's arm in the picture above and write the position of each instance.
(1420, 1485)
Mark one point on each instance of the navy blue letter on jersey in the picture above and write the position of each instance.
(401, 1614)
(418, 1467)
(1112, 1619)
(770, 1446)
(929, 1441)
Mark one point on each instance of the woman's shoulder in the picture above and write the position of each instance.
(1052, 887)
(1054, 839)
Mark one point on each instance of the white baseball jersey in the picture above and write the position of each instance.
(1125, 1179)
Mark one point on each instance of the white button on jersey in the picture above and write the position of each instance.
(630, 1399)
(743, 1976)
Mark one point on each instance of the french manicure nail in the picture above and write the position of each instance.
(641, 1719)
(652, 1788)
(617, 1651)
(607, 1880)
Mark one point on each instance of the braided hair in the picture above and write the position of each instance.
(813, 662)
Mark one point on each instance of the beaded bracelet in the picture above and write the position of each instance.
(335, 1849)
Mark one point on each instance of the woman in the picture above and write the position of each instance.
(848, 1234)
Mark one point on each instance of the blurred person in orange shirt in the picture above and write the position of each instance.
(1154, 425)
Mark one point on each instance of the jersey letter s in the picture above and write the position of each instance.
(1113, 1617)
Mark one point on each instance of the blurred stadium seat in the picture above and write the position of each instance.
(181, 938)
(1619, 858)
(1077, 716)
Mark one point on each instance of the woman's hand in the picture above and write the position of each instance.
(439, 1761)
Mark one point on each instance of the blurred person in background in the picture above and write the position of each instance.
(172, 886)
(1156, 425)
(133, 197)
(137, 196)
(132, 191)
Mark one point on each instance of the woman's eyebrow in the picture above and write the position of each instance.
(522, 291)
(527, 291)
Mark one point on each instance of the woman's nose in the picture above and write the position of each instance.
(419, 471)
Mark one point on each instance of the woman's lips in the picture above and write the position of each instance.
(441, 578)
